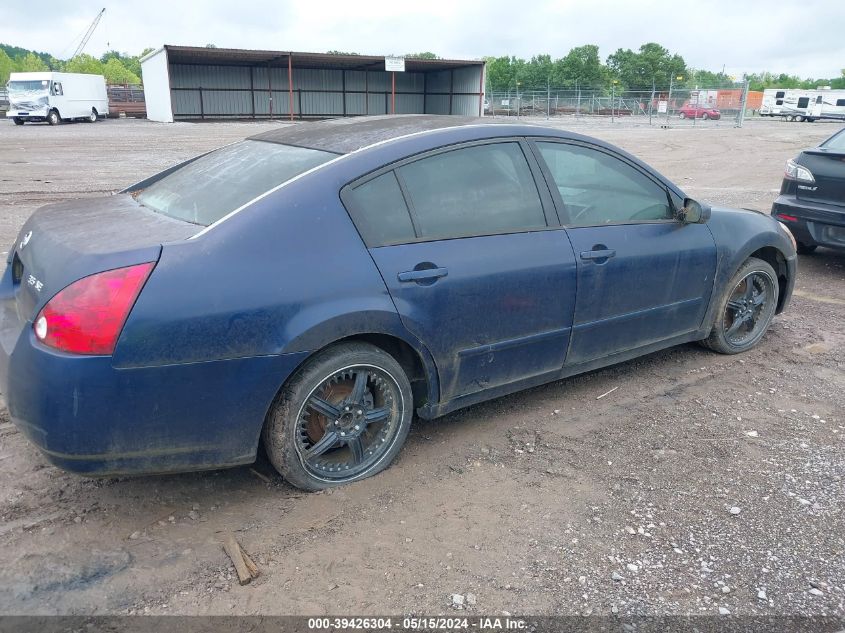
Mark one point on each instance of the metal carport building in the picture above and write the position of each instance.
(189, 82)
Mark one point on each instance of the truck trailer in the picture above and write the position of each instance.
(803, 105)
(56, 97)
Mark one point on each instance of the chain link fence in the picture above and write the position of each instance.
(659, 106)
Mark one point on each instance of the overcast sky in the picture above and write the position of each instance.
(806, 38)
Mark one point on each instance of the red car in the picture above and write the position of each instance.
(690, 111)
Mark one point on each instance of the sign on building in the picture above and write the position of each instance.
(662, 106)
(394, 64)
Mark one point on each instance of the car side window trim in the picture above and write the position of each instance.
(560, 203)
(543, 193)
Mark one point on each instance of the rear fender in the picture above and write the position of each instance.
(364, 325)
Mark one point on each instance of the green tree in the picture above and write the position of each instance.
(130, 62)
(7, 66)
(653, 65)
(423, 55)
(84, 63)
(537, 73)
(499, 73)
(116, 73)
(708, 79)
(581, 67)
(761, 81)
(31, 63)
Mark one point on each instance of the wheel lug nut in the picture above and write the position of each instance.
(357, 428)
(337, 422)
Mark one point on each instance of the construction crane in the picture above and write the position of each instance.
(88, 33)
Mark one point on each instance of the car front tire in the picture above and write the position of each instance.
(18, 121)
(342, 417)
(745, 309)
(682, 115)
(53, 118)
(705, 116)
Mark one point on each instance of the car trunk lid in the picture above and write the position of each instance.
(828, 169)
(64, 242)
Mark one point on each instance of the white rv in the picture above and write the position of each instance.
(803, 105)
(56, 97)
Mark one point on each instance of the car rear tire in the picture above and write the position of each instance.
(92, 118)
(682, 115)
(53, 118)
(705, 116)
(745, 309)
(806, 249)
(18, 121)
(342, 417)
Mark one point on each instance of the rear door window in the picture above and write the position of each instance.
(470, 191)
(379, 211)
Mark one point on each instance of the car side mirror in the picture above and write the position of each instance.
(694, 212)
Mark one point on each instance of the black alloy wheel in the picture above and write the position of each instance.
(746, 308)
(344, 416)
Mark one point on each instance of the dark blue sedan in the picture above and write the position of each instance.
(313, 287)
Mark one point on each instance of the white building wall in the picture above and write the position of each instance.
(155, 73)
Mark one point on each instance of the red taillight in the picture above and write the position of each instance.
(88, 315)
(788, 218)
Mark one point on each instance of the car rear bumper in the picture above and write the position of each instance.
(812, 223)
(88, 417)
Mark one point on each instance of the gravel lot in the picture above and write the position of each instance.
(703, 484)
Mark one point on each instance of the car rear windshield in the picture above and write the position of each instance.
(837, 142)
(214, 185)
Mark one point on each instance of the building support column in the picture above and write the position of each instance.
(290, 86)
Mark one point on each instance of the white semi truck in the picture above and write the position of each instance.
(56, 97)
(803, 105)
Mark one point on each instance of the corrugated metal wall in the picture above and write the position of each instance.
(205, 91)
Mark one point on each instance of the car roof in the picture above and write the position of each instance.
(342, 136)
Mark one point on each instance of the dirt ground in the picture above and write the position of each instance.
(551, 501)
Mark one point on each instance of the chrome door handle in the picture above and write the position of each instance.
(427, 274)
(600, 254)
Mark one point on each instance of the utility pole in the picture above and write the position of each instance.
(669, 98)
(612, 99)
(548, 98)
(651, 103)
(578, 106)
(740, 117)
